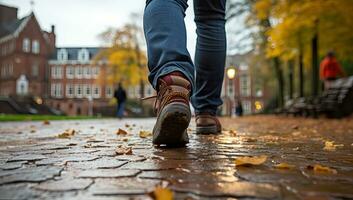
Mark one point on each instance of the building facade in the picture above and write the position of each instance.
(245, 87)
(24, 52)
(75, 87)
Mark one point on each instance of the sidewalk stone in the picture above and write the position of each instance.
(65, 185)
(40, 165)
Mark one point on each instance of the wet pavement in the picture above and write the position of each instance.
(37, 163)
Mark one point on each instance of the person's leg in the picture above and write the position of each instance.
(209, 60)
(171, 69)
(165, 33)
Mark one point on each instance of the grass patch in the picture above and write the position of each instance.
(19, 117)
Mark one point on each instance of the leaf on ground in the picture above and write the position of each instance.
(145, 134)
(284, 166)
(322, 169)
(121, 132)
(249, 161)
(121, 150)
(46, 122)
(68, 133)
(127, 125)
(331, 146)
(161, 193)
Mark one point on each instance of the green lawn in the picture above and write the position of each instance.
(6, 117)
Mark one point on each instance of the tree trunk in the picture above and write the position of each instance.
(291, 78)
(315, 65)
(301, 73)
(280, 81)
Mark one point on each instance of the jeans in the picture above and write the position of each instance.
(120, 109)
(165, 34)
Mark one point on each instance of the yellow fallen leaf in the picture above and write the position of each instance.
(46, 122)
(161, 193)
(322, 169)
(331, 146)
(248, 161)
(121, 132)
(284, 166)
(144, 134)
(68, 133)
(120, 150)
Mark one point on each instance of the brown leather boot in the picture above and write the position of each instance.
(173, 110)
(207, 124)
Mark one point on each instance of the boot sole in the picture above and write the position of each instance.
(207, 130)
(171, 125)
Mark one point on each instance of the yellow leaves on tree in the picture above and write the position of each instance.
(126, 60)
(295, 22)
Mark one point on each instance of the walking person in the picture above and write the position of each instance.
(120, 96)
(172, 72)
(330, 69)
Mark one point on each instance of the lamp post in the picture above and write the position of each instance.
(231, 71)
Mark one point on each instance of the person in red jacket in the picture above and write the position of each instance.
(330, 69)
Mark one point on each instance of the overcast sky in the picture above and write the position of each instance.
(78, 22)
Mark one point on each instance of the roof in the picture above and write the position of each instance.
(73, 52)
(7, 28)
(13, 28)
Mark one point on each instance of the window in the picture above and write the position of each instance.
(245, 89)
(56, 90)
(3, 70)
(87, 72)
(230, 88)
(62, 55)
(109, 92)
(87, 90)
(10, 72)
(83, 55)
(96, 91)
(95, 72)
(35, 70)
(246, 107)
(78, 89)
(70, 91)
(26, 45)
(70, 72)
(56, 72)
(35, 47)
(78, 71)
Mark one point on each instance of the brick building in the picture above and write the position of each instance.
(24, 52)
(245, 86)
(75, 87)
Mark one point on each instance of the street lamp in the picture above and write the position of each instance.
(231, 75)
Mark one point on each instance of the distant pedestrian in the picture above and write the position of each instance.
(173, 73)
(330, 69)
(120, 95)
(239, 109)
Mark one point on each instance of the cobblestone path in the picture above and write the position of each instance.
(317, 155)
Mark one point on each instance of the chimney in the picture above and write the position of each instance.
(52, 29)
(7, 13)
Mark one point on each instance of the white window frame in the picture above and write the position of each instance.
(68, 94)
(56, 72)
(35, 47)
(87, 87)
(78, 87)
(87, 72)
(62, 55)
(95, 71)
(96, 91)
(78, 72)
(109, 91)
(26, 45)
(70, 72)
(245, 86)
(246, 106)
(56, 90)
(83, 55)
